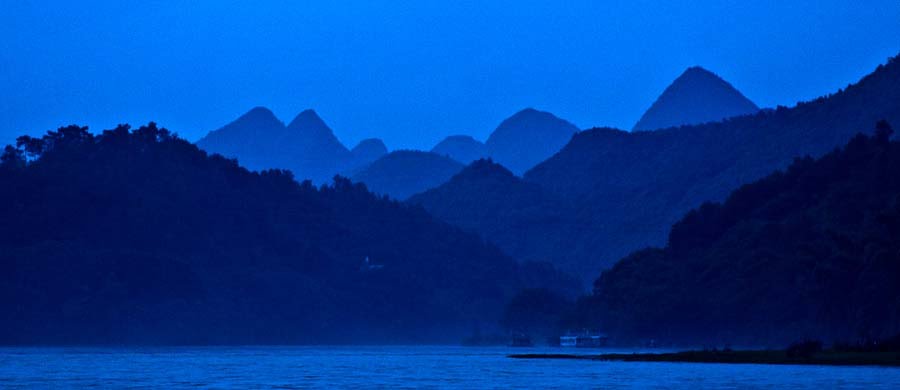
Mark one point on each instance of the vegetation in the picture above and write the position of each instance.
(808, 252)
(608, 192)
(829, 357)
(140, 237)
(487, 198)
(536, 312)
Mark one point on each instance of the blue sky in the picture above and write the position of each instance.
(414, 72)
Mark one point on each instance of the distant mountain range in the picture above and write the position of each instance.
(306, 146)
(519, 142)
(697, 96)
(627, 189)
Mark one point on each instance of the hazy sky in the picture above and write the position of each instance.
(413, 72)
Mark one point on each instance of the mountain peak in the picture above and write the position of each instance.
(527, 138)
(308, 119)
(231, 138)
(696, 96)
(531, 113)
(697, 69)
(259, 116)
(462, 148)
(486, 167)
(370, 145)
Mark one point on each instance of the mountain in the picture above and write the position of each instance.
(629, 188)
(402, 173)
(488, 199)
(306, 146)
(697, 96)
(313, 149)
(807, 253)
(138, 237)
(527, 138)
(462, 148)
(365, 152)
(247, 138)
(634, 186)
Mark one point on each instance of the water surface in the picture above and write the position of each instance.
(397, 367)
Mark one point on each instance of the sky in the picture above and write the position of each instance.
(414, 72)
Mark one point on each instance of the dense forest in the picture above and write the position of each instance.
(140, 237)
(809, 252)
(622, 191)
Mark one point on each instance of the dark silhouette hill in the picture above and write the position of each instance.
(810, 252)
(365, 152)
(306, 146)
(402, 173)
(527, 138)
(629, 188)
(634, 186)
(488, 199)
(462, 148)
(697, 96)
(138, 237)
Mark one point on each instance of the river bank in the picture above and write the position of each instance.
(831, 358)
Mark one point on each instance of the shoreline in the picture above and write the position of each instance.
(826, 358)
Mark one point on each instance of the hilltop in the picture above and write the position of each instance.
(697, 96)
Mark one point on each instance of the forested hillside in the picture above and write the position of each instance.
(487, 198)
(625, 190)
(140, 237)
(810, 252)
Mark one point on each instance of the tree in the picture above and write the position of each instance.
(883, 131)
(33, 146)
(12, 157)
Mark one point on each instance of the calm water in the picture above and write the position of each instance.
(403, 367)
